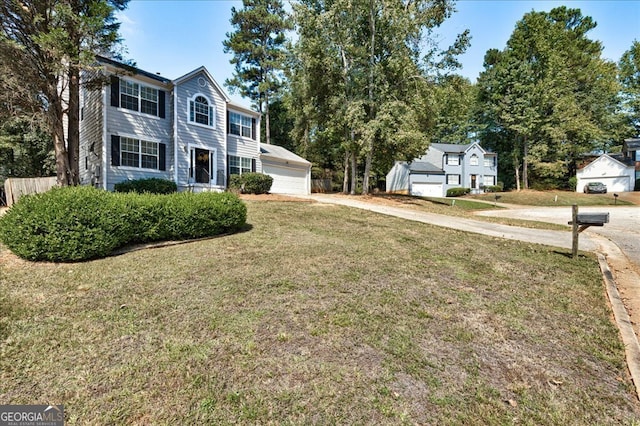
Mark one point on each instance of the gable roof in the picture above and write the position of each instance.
(424, 167)
(458, 148)
(198, 70)
(609, 157)
(279, 153)
(632, 144)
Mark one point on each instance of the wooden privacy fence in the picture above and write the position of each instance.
(320, 185)
(14, 188)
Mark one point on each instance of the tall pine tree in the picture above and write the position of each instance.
(258, 47)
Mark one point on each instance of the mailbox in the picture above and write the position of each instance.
(593, 219)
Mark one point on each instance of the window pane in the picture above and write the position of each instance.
(128, 144)
(453, 160)
(129, 102)
(149, 147)
(149, 107)
(474, 160)
(149, 94)
(234, 129)
(129, 159)
(149, 162)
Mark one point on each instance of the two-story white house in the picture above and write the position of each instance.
(442, 167)
(186, 130)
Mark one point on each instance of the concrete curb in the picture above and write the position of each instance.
(629, 339)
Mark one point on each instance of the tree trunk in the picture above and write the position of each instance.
(57, 130)
(369, 156)
(354, 173)
(517, 169)
(345, 179)
(73, 126)
(267, 129)
(525, 164)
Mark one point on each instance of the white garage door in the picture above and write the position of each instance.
(618, 183)
(426, 189)
(287, 180)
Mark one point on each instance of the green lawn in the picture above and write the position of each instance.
(552, 198)
(317, 314)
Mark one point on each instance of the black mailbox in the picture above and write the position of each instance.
(593, 219)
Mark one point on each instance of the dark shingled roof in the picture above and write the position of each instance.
(424, 167)
(131, 69)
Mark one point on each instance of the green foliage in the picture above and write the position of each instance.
(629, 75)
(26, 150)
(79, 223)
(150, 185)
(258, 48)
(573, 183)
(457, 192)
(251, 183)
(548, 97)
(493, 188)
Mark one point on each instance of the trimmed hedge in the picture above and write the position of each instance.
(150, 185)
(493, 188)
(80, 223)
(251, 183)
(457, 192)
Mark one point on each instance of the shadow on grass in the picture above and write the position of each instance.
(157, 244)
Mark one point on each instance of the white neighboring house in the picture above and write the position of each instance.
(186, 130)
(442, 167)
(616, 172)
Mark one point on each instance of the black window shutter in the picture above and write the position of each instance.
(162, 156)
(115, 150)
(228, 124)
(161, 100)
(253, 128)
(253, 165)
(115, 91)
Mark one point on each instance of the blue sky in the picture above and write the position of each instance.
(175, 37)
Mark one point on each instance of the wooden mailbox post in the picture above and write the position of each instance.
(580, 222)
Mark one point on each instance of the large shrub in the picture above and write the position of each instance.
(79, 223)
(251, 183)
(65, 224)
(457, 192)
(150, 185)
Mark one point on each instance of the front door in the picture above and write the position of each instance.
(474, 182)
(201, 161)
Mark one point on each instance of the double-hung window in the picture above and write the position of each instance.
(136, 97)
(453, 179)
(239, 165)
(453, 160)
(240, 125)
(489, 180)
(473, 161)
(488, 161)
(201, 111)
(139, 153)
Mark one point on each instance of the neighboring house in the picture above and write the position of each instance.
(186, 130)
(631, 151)
(617, 172)
(445, 166)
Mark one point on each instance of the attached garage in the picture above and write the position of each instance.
(426, 189)
(614, 173)
(291, 173)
